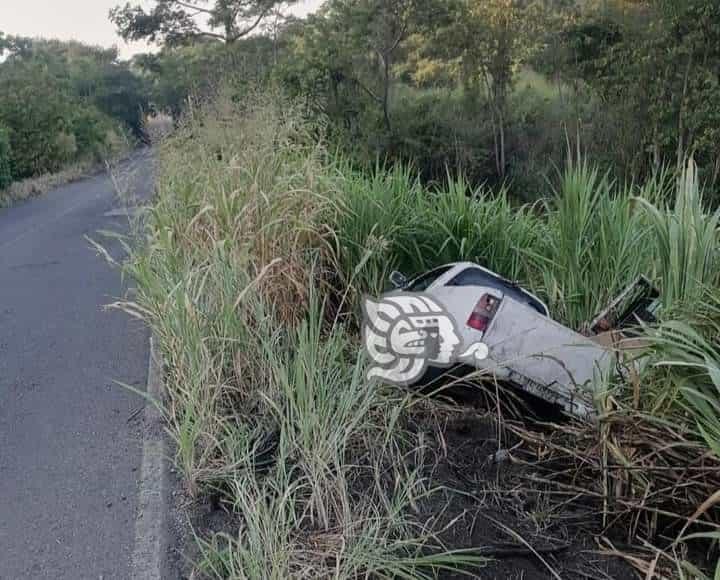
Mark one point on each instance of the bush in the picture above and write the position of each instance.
(444, 132)
(65, 103)
(36, 111)
(94, 133)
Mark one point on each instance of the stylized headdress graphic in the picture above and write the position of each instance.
(403, 333)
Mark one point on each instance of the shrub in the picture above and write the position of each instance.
(437, 130)
(60, 101)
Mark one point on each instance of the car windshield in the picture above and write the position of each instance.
(422, 283)
(478, 277)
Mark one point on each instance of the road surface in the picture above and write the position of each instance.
(69, 444)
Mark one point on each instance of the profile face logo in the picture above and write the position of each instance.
(405, 333)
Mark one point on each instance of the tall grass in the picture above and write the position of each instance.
(690, 346)
(685, 239)
(266, 398)
(259, 237)
(323, 412)
(594, 244)
(479, 226)
(388, 221)
(375, 224)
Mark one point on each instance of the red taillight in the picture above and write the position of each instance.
(478, 322)
(483, 313)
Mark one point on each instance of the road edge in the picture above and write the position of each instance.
(152, 522)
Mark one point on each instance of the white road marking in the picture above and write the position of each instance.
(150, 525)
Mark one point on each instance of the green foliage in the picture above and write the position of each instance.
(437, 130)
(176, 75)
(389, 221)
(5, 158)
(695, 358)
(65, 102)
(685, 241)
(594, 244)
(122, 95)
(38, 117)
(461, 224)
(491, 89)
(657, 68)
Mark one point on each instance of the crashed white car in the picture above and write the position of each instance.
(524, 345)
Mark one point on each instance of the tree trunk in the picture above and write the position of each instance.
(386, 93)
(502, 145)
(496, 143)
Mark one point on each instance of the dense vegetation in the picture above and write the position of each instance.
(496, 90)
(255, 255)
(63, 103)
(309, 159)
(406, 134)
(493, 89)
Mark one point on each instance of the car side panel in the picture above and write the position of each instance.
(547, 358)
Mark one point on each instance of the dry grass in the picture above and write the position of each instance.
(42, 184)
(640, 474)
(27, 188)
(158, 127)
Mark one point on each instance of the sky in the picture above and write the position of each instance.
(83, 20)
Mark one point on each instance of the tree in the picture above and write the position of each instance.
(180, 21)
(657, 65)
(480, 45)
(36, 110)
(176, 74)
(386, 23)
(91, 73)
(495, 38)
(62, 102)
(123, 95)
(352, 47)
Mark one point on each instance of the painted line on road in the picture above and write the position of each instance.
(151, 526)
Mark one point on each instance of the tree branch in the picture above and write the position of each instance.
(193, 7)
(254, 25)
(204, 34)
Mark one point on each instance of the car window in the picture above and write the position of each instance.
(478, 277)
(422, 283)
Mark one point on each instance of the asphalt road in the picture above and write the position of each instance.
(69, 446)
